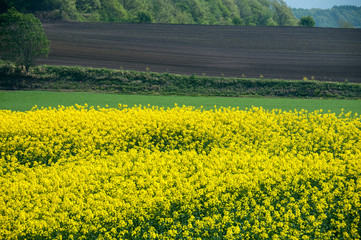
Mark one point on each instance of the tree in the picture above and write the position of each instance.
(344, 24)
(307, 22)
(30, 6)
(144, 17)
(283, 15)
(87, 6)
(22, 38)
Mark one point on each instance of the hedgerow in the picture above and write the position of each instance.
(134, 82)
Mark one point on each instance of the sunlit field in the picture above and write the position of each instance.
(179, 173)
(25, 100)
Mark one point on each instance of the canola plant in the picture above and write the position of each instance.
(179, 173)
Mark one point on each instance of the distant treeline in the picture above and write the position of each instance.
(342, 16)
(214, 12)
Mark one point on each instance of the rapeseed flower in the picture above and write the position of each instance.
(153, 173)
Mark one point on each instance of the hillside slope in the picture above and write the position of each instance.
(342, 16)
(209, 12)
(274, 52)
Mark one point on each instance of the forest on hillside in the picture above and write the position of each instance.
(338, 16)
(209, 12)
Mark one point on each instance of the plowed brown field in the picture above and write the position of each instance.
(274, 52)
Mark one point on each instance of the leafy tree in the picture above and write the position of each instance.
(237, 21)
(216, 12)
(87, 6)
(265, 13)
(68, 10)
(131, 5)
(307, 22)
(112, 11)
(283, 15)
(4, 6)
(332, 17)
(30, 6)
(343, 24)
(144, 17)
(22, 38)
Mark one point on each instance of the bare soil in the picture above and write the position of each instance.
(327, 54)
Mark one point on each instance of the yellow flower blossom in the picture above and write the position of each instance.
(152, 173)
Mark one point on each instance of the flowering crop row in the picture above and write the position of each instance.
(179, 173)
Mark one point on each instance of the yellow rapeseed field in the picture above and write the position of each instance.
(180, 173)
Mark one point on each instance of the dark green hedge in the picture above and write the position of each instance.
(128, 82)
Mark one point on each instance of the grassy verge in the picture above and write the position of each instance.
(25, 100)
(133, 82)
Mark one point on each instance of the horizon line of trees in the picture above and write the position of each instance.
(338, 16)
(208, 12)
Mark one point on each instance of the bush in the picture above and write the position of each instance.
(121, 81)
(307, 22)
(144, 17)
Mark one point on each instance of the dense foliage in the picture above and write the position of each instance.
(179, 173)
(307, 21)
(224, 12)
(129, 82)
(22, 38)
(342, 16)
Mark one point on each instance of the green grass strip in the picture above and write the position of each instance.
(25, 100)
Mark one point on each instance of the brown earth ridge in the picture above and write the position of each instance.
(327, 54)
